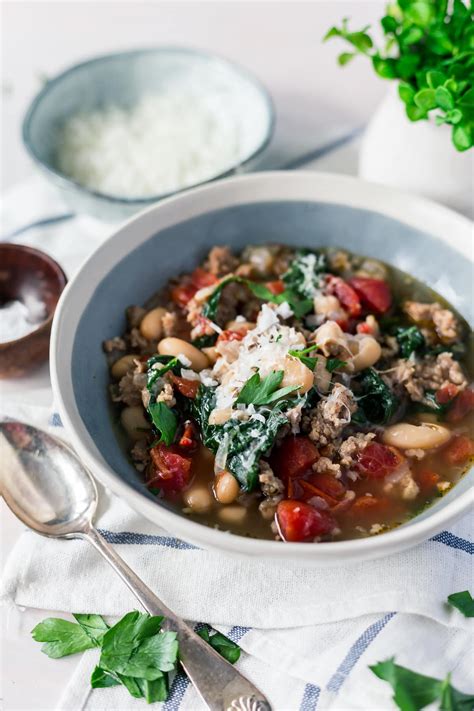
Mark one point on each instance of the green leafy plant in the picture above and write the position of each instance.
(463, 602)
(264, 391)
(135, 652)
(413, 691)
(377, 404)
(429, 48)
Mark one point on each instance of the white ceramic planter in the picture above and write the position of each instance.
(416, 156)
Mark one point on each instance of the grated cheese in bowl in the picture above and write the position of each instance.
(163, 143)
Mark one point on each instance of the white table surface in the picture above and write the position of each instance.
(280, 42)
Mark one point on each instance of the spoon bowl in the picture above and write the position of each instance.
(44, 483)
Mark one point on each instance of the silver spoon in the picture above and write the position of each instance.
(49, 490)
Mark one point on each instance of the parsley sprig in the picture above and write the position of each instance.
(428, 47)
(135, 652)
(264, 391)
(463, 602)
(413, 691)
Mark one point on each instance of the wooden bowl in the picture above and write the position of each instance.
(24, 270)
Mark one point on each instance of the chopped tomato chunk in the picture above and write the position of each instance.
(462, 406)
(171, 471)
(188, 388)
(374, 293)
(446, 394)
(378, 460)
(328, 484)
(276, 287)
(294, 457)
(348, 297)
(200, 278)
(364, 328)
(236, 334)
(459, 450)
(369, 507)
(427, 479)
(301, 522)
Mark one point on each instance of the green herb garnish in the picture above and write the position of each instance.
(135, 652)
(164, 420)
(333, 364)
(413, 691)
(304, 277)
(463, 602)
(263, 391)
(309, 361)
(378, 403)
(222, 644)
(409, 340)
(428, 47)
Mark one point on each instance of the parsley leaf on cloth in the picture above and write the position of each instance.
(94, 625)
(413, 691)
(62, 637)
(263, 391)
(164, 420)
(463, 601)
(222, 644)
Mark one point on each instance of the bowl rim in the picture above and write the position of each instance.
(406, 208)
(59, 271)
(143, 202)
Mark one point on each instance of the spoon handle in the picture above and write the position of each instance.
(220, 685)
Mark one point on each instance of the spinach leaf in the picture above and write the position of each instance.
(62, 637)
(222, 644)
(409, 340)
(333, 364)
(168, 363)
(378, 403)
(413, 691)
(205, 341)
(462, 601)
(257, 391)
(304, 277)
(164, 420)
(247, 441)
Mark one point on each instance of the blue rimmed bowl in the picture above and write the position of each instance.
(302, 209)
(121, 80)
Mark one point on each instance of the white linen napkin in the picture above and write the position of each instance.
(308, 634)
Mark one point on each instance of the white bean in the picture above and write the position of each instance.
(297, 373)
(122, 366)
(424, 436)
(211, 354)
(226, 487)
(134, 422)
(176, 346)
(151, 326)
(198, 498)
(232, 515)
(369, 352)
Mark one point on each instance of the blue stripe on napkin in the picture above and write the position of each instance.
(309, 702)
(177, 692)
(449, 539)
(356, 651)
(145, 539)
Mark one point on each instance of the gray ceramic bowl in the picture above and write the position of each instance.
(306, 209)
(122, 79)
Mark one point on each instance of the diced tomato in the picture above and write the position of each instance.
(374, 293)
(348, 297)
(294, 457)
(364, 328)
(236, 334)
(200, 278)
(462, 406)
(188, 388)
(276, 287)
(459, 450)
(427, 479)
(188, 440)
(171, 470)
(190, 284)
(301, 522)
(369, 506)
(446, 394)
(183, 293)
(378, 460)
(328, 484)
